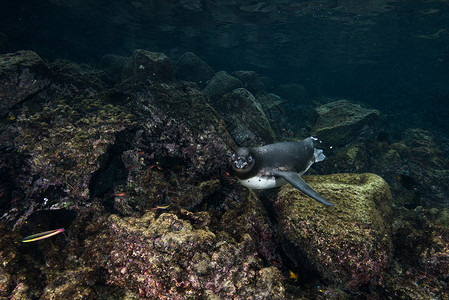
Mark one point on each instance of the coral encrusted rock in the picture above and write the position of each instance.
(340, 122)
(167, 258)
(349, 244)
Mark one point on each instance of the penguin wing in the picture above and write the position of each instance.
(295, 180)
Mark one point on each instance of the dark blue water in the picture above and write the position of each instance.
(391, 55)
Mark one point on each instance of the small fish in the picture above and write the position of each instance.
(42, 235)
(162, 206)
(292, 275)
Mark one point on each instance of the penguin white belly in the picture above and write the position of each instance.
(262, 183)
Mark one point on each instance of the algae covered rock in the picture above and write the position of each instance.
(349, 244)
(167, 258)
(221, 84)
(190, 67)
(421, 245)
(251, 81)
(22, 74)
(245, 119)
(148, 67)
(340, 122)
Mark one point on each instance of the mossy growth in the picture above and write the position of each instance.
(65, 139)
(353, 238)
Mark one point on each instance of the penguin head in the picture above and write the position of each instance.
(242, 160)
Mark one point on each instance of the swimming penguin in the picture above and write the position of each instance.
(276, 164)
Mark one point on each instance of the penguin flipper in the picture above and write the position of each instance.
(295, 180)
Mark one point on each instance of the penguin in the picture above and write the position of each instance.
(276, 164)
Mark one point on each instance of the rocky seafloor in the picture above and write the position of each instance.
(130, 157)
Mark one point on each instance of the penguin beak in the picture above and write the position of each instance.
(240, 163)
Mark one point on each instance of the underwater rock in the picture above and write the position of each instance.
(221, 84)
(65, 142)
(421, 242)
(353, 158)
(113, 65)
(415, 169)
(9, 255)
(421, 239)
(70, 78)
(148, 67)
(352, 239)
(57, 134)
(167, 258)
(245, 118)
(423, 149)
(273, 106)
(341, 122)
(250, 216)
(251, 81)
(182, 146)
(22, 75)
(190, 67)
(72, 284)
(71, 135)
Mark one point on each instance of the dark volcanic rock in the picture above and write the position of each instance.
(22, 74)
(245, 119)
(415, 168)
(70, 138)
(421, 241)
(221, 84)
(148, 67)
(190, 67)
(181, 147)
(341, 122)
(71, 78)
(251, 81)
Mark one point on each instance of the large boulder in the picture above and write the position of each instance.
(251, 81)
(349, 244)
(148, 67)
(245, 119)
(341, 122)
(167, 258)
(221, 84)
(22, 74)
(190, 67)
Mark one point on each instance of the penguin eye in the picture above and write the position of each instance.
(250, 159)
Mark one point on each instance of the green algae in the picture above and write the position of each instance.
(352, 239)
